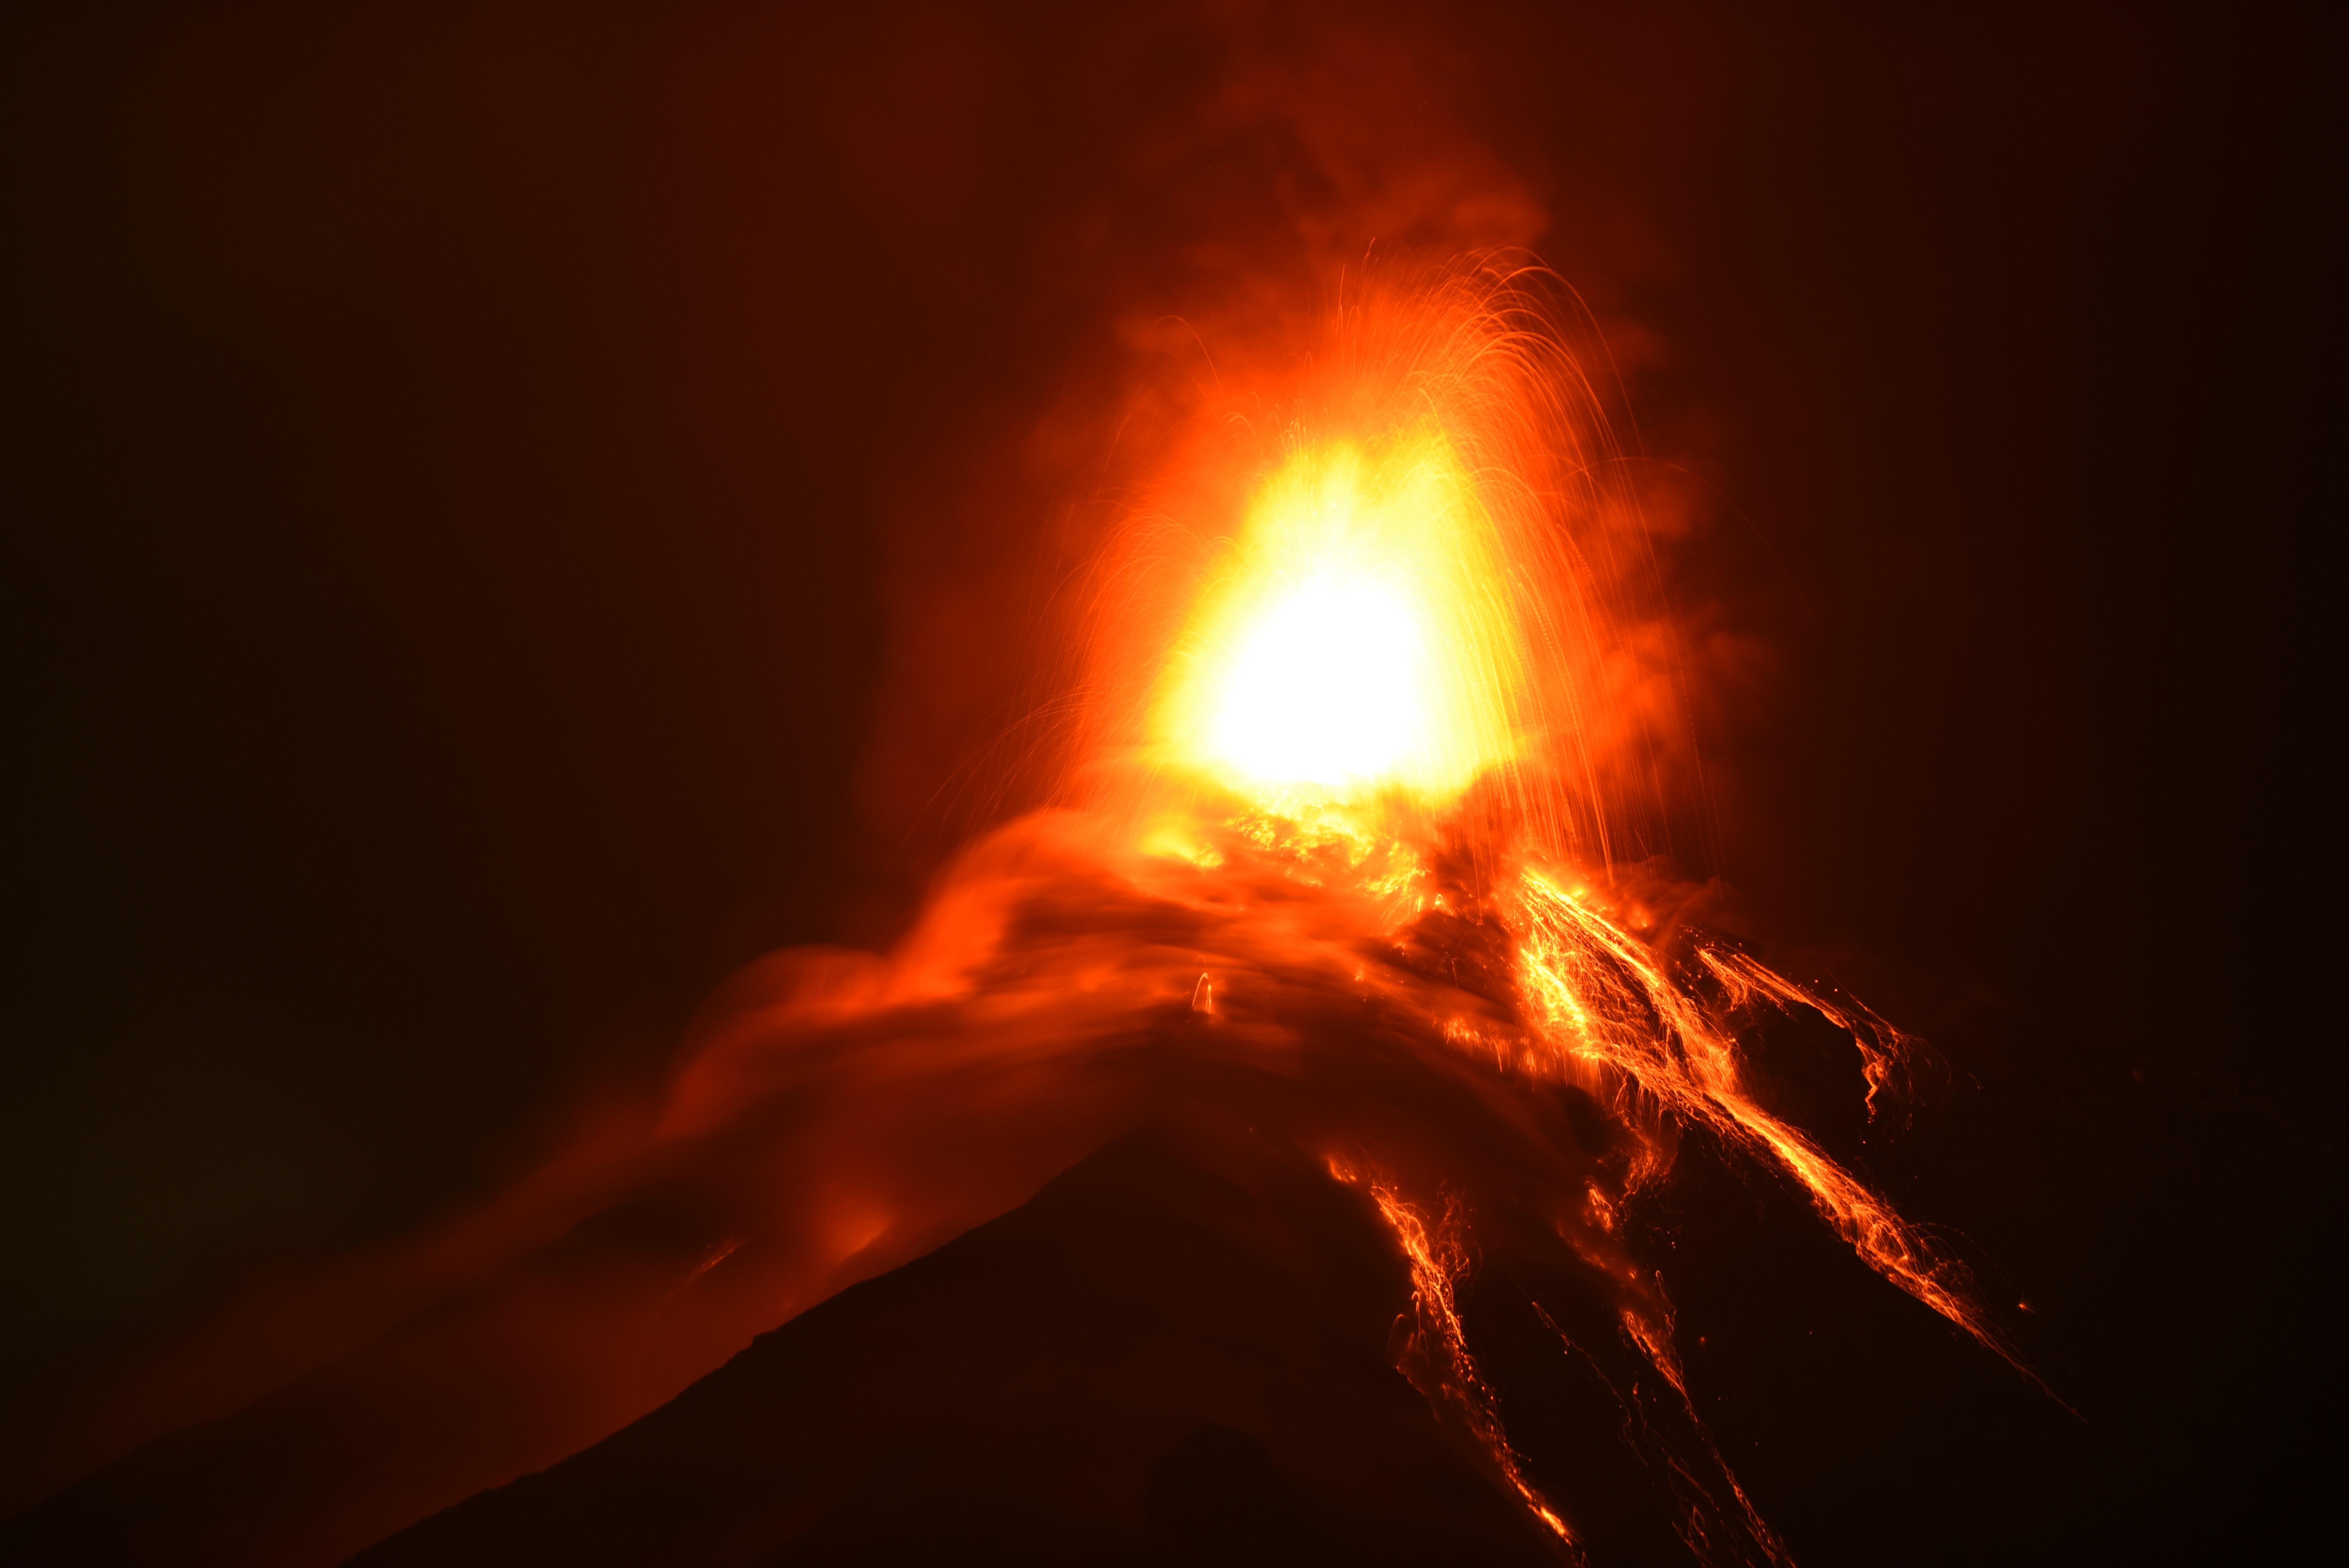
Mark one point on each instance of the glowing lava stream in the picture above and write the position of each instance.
(1364, 653)
(1437, 1358)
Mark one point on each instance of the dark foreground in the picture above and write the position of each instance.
(1160, 1358)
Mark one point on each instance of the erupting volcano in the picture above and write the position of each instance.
(1203, 782)
(1339, 1008)
(1372, 766)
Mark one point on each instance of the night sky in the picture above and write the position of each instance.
(517, 511)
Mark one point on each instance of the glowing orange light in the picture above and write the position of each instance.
(1418, 602)
(1360, 638)
(1439, 1361)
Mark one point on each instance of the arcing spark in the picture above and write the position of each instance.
(1602, 998)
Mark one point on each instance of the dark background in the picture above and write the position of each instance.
(471, 475)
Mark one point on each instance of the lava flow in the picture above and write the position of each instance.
(1373, 712)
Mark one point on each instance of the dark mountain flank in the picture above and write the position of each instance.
(1163, 1357)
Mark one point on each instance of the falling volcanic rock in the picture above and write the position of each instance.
(1165, 1357)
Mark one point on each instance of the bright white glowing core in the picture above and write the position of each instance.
(1328, 686)
(1356, 636)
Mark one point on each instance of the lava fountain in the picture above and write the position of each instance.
(1386, 700)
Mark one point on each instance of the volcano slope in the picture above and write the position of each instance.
(1321, 1277)
(1174, 1353)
